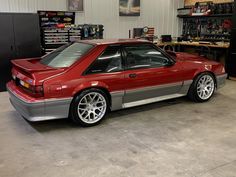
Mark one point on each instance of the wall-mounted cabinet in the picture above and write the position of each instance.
(20, 38)
(232, 60)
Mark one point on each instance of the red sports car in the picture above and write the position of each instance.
(84, 80)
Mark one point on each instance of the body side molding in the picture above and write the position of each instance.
(151, 100)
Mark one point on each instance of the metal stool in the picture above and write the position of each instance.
(169, 47)
(205, 51)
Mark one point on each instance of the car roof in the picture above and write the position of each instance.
(113, 41)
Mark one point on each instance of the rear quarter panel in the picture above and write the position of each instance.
(72, 81)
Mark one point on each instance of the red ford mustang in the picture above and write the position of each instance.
(83, 80)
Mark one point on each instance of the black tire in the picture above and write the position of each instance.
(74, 115)
(193, 91)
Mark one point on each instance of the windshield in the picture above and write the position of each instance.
(66, 55)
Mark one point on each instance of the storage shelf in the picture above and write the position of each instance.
(54, 31)
(205, 16)
(75, 36)
(59, 41)
(55, 43)
(55, 34)
(215, 40)
(56, 37)
(209, 34)
(76, 33)
(50, 49)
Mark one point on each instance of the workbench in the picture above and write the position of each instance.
(219, 51)
(223, 45)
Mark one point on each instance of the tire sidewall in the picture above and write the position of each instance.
(74, 107)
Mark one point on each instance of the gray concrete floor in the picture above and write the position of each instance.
(166, 139)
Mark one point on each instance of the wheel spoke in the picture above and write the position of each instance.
(91, 96)
(99, 102)
(85, 100)
(99, 108)
(92, 107)
(90, 116)
(83, 112)
(202, 94)
(96, 115)
(95, 95)
(205, 87)
(87, 116)
(205, 79)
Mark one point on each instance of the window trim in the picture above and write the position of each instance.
(85, 73)
(170, 59)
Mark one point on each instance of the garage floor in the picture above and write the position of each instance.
(167, 139)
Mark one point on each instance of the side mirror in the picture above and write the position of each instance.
(170, 63)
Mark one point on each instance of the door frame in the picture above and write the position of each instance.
(149, 94)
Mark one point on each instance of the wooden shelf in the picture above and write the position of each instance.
(205, 16)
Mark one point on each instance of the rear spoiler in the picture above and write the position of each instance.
(29, 66)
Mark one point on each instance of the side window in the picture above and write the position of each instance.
(110, 61)
(144, 56)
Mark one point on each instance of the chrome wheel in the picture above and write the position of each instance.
(92, 107)
(205, 87)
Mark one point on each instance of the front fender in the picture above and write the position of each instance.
(204, 68)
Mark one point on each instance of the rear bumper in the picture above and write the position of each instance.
(221, 79)
(39, 110)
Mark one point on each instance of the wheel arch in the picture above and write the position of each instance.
(209, 72)
(75, 94)
(192, 89)
(71, 114)
(100, 87)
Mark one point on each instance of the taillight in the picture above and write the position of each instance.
(35, 90)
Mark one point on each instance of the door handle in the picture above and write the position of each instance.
(133, 75)
(11, 47)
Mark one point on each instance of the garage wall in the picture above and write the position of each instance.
(160, 14)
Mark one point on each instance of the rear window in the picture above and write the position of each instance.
(66, 55)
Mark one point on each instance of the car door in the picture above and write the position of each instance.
(108, 69)
(149, 73)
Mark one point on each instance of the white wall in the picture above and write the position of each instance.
(160, 14)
